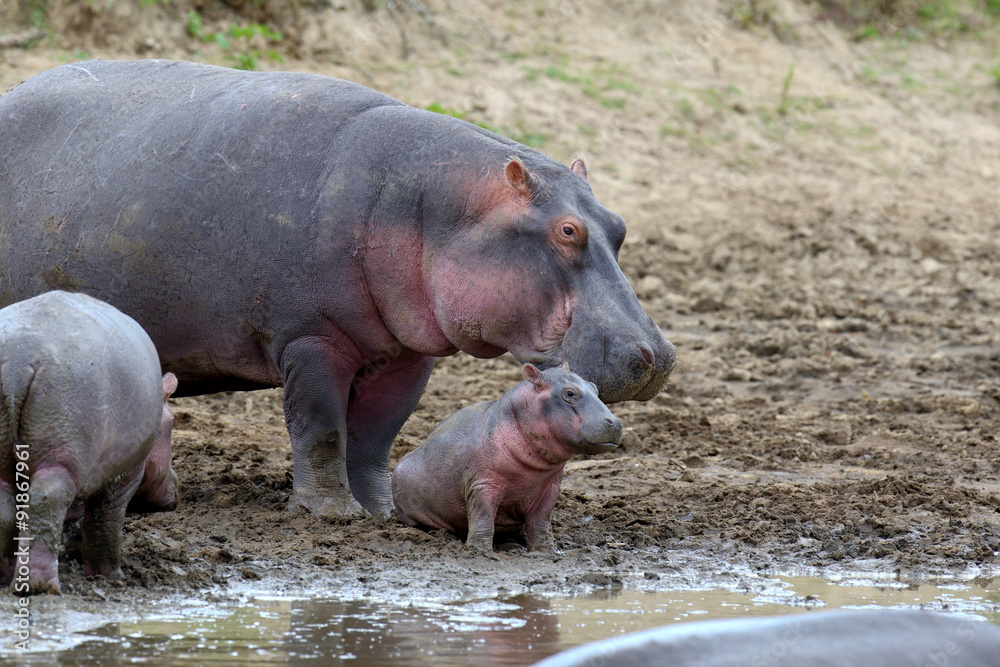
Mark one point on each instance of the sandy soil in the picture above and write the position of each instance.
(824, 259)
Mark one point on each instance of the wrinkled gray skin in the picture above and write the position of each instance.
(862, 638)
(496, 466)
(84, 419)
(295, 230)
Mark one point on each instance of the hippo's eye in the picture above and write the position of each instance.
(570, 395)
(570, 236)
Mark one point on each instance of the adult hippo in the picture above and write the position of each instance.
(295, 230)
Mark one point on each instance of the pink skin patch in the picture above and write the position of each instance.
(491, 309)
(393, 273)
(488, 303)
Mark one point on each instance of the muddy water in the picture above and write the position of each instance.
(501, 631)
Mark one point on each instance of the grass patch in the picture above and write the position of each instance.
(784, 101)
(532, 139)
(995, 73)
(447, 111)
(911, 20)
(608, 84)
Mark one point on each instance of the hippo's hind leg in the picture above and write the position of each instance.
(7, 534)
(315, 405)
(103, 519)
(382, 400)
(51, 492)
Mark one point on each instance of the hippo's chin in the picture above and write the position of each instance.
(597, 447)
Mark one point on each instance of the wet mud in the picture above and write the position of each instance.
(824, 260)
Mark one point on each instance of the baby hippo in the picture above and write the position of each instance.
(496, 466)
(83, 418)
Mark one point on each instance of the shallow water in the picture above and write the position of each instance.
(508, 631)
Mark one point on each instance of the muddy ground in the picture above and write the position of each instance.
(812, 221)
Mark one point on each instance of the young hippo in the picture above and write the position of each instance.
(496, 466)
(84, 419)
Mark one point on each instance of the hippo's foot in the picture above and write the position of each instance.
(151, 500)
(477, 551)
(326, 505)
(545, 544)
(43, 584)
(378, 508)
(110, 571)
(481, 545)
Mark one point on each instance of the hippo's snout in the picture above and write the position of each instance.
(601, 435)
(632, 364)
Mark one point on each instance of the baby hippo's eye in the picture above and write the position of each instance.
(570, 394)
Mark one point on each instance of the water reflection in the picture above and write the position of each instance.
(488, 632)
(509, 631)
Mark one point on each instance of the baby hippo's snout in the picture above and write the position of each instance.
(602, 434)
(599, 430)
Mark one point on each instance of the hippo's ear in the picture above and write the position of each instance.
(565, 366)
(169, 385)
(518, 177)
(533, 375)
(579, 167)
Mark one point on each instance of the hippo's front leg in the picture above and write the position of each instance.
(481, 507)
(538, 522)
(316, 379)
(383, 398)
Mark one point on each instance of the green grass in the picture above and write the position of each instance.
(447, 111)
(559, 75)
(868, 74)
(607, 83)
(532, 139)
(910, 83)
(668, 130)
(867, 31)
(74, 57)
(686, 110)
(784, 102)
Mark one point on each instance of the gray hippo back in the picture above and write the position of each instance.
(855, 638)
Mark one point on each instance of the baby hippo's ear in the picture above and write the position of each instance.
(169, 385)
(533, 375)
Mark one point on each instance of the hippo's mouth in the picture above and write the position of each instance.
(597, 447)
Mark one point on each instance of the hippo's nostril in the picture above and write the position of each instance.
(609, 421)
(646, 354)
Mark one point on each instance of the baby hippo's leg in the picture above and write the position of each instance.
(7, 534)
(481, 508)
(102, 526)
(51, 492)
(538, 522)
